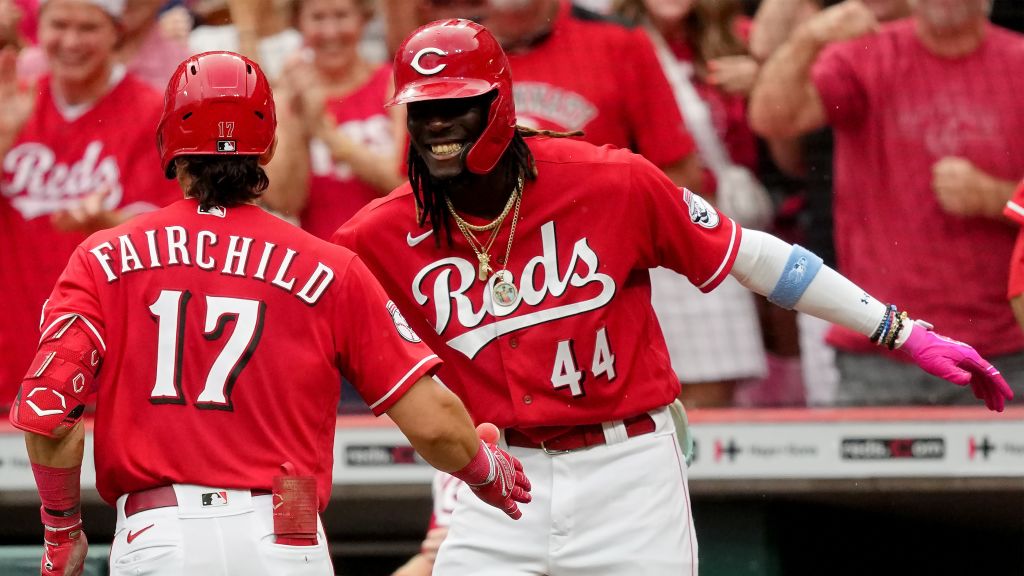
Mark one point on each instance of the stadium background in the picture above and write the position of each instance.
(775, 492)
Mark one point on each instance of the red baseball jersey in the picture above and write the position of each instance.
(896, 109)
(335, 192)
(598, 76)
(580, 344)
(226, 334)
(54, 163)
(1014, 210)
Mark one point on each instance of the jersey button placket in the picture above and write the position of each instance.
(527, 399)
(513, 342)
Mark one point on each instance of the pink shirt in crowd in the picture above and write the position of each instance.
(896, 110)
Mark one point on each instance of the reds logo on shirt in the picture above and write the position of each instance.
(581, 270)
(541, 104)
(40, 185)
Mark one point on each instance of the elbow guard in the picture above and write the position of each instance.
(52, 395)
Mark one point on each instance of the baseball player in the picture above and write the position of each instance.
(215, 336)
(524, 261)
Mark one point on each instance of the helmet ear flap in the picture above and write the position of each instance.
(496, 137)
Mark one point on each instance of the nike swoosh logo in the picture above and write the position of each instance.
(132, 537)
(414, 240)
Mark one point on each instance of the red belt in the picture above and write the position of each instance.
(580, 436)
(160, 497)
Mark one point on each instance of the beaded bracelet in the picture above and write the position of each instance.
(894, 334)
(886, 324)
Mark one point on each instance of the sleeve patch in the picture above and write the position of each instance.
(404, 330)
(701, 212)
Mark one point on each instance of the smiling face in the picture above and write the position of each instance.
(332, 28)
(443, 131)
(78, 38)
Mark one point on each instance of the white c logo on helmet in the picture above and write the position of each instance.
(428, 71)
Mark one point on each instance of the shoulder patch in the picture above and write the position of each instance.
(701, 213)
(404, 330)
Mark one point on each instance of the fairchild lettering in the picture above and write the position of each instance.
(206, 250)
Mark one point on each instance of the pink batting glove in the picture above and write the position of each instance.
(957, 362)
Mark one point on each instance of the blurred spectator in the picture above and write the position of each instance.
(702, 49)
(259, 29)
(69, 149)
(810, 159)
(444, 491)
(147, 48)
(576, 70)
(338, 148)
(925, 119)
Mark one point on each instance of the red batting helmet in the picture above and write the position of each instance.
(216, 103)
(459, 59)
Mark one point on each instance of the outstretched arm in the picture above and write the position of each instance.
(792, 277)
(439, 428)
(57, 467)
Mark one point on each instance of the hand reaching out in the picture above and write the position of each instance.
(958, 363)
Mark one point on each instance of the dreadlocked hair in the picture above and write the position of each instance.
(429, 192)
(223, 180)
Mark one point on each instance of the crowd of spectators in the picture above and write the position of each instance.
(879, 133)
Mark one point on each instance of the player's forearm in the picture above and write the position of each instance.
(784, 102)
(437, 425)
(764, 262)
(63, 452)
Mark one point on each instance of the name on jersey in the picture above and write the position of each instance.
(174, 246)
(39, 185)
(453, 277)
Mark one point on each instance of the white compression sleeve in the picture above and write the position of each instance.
(760, 262)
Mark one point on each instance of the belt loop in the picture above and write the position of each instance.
(614, 432)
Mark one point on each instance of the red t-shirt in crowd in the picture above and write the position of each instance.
(335, 192)
(603, 78)
(54, 163)
(896, 110)
(225, 335)
(580, 344)
(1014, 210)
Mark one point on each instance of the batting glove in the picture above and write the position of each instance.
(495, 476)
(64, 550)
(957, 362)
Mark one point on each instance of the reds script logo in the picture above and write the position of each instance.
(427, 71)
(555, 283)
(39, 185)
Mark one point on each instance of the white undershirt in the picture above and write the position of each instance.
(830, 296)
(72, 112)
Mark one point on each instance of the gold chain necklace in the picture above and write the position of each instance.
(481, 250)
(496, 223)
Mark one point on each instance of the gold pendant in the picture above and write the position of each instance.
(504, 290)
(484, 270)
